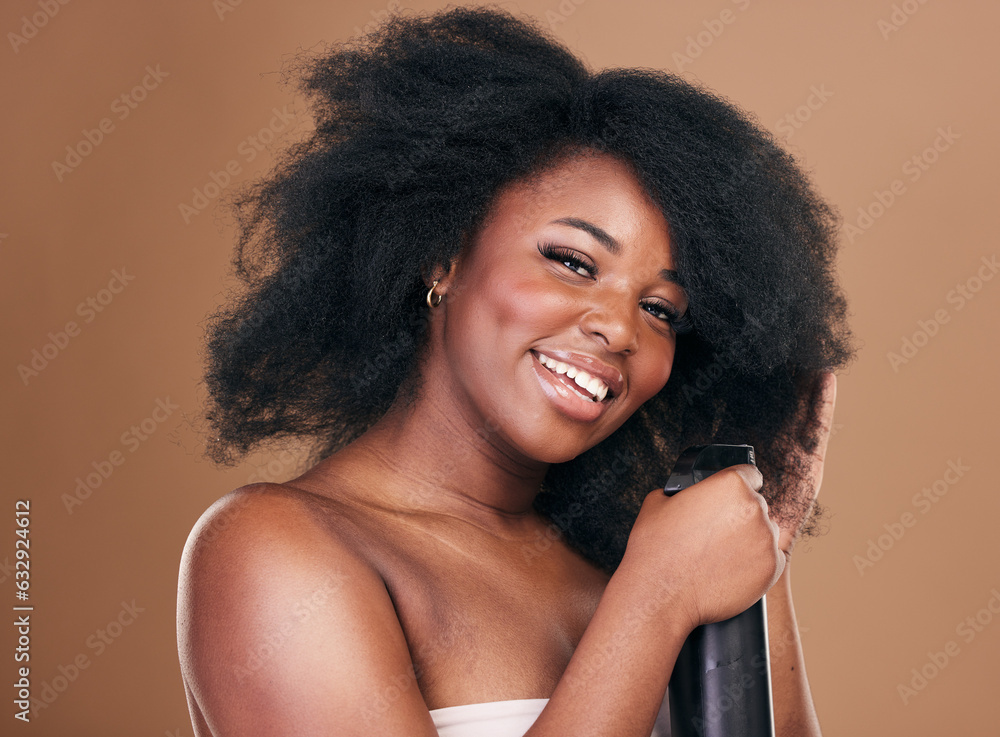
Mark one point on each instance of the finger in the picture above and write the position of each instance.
(751, 475)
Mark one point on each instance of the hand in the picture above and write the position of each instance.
(816, 416)
(706, 553)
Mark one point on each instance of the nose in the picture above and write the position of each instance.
(612, 321)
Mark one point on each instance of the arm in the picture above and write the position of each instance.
(724, 558)
(794, 713)
(616, 679)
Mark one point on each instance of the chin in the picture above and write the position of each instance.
(561, 452)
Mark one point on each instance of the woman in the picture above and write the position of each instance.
(471, 286)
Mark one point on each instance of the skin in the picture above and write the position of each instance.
(406, 572)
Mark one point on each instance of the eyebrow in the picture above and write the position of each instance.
(599, 234)
(605, 239)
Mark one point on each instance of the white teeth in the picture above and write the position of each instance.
(582, 379)
(585, 381)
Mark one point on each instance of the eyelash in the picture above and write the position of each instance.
(567, 256)
(681, 324)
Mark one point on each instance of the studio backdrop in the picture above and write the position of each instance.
(128, 124)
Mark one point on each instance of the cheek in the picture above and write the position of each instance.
(493, 317)
(515, 304)
(657, 371)
(667, 364)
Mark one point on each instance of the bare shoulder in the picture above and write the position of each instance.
(283, 627)
(271, 537)
(258, 517)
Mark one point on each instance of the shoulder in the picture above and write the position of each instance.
(268, 542)
(261, 529)
(280, 619)
(263, 515)
(254, 560)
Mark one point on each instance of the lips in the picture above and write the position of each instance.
(587, 377)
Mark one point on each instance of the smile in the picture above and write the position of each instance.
(587, 386)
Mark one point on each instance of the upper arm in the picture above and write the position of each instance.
(284, 629)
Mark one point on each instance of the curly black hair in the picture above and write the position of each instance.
(419, 124)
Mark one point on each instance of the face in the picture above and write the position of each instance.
(556, 323)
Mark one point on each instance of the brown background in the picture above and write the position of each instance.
(886, 95)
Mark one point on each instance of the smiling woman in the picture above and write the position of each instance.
(563, 303)
(490, 286)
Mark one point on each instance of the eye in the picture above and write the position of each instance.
(681, 323)
(572, 260)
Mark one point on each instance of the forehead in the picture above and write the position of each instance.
(591, 186)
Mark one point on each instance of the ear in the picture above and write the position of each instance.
(443, 277)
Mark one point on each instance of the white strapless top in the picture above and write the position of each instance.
(510, 718)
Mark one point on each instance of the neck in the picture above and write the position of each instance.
(427, 457)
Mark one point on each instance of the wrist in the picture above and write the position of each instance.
(652, 599)
(783, 586)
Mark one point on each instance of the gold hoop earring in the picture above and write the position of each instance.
(430, 296)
